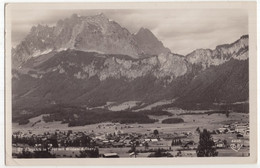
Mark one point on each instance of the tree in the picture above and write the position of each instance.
(69, 132)
(54, 142)
(227, 114)
(35, 154)
(179, 142)
(225, 143)
(160, 153)
(146, 145)
(133, 148)
(156, 132)
(43, 154)
(25, 154)
(89, 153)
(206, 147)
(173, 142)
(198, 130)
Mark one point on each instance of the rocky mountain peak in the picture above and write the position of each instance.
(237, 45)
(149, 43)
(144, 30)
(87, 33)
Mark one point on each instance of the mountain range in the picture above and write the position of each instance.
(92, 60)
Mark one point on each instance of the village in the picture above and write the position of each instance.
(229, 140)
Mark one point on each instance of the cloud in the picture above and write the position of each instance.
(180, 30)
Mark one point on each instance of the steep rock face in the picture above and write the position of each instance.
(149, 44)
(86, 33)
(111, 66)
(156, 66)
(40, 40)
(96, 33)
(223, 53)
(89, 33)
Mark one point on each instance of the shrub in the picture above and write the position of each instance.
(172, 121)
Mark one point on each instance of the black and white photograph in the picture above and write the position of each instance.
(130, 81)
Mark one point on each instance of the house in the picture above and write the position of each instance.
(110, 155)
(133, 154)
(100, 144)
(241, 129)
(247, 132)
(240, 136)
(118, 132)
(188, 144)
(154, 140)
(222, 130)
(220, 144)
(127, 142)
(226, 126)
(118, 145)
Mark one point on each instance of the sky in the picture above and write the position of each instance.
(182, 31)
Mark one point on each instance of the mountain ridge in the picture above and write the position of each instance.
(90, 78)
(58, 65)
(221, 54)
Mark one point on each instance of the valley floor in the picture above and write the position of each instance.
(186, 132)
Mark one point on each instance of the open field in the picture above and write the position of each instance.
(191, 122)
(156, 104)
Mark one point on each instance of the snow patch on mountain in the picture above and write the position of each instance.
(38, 52)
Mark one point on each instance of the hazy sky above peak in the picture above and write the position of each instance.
(182, 31)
